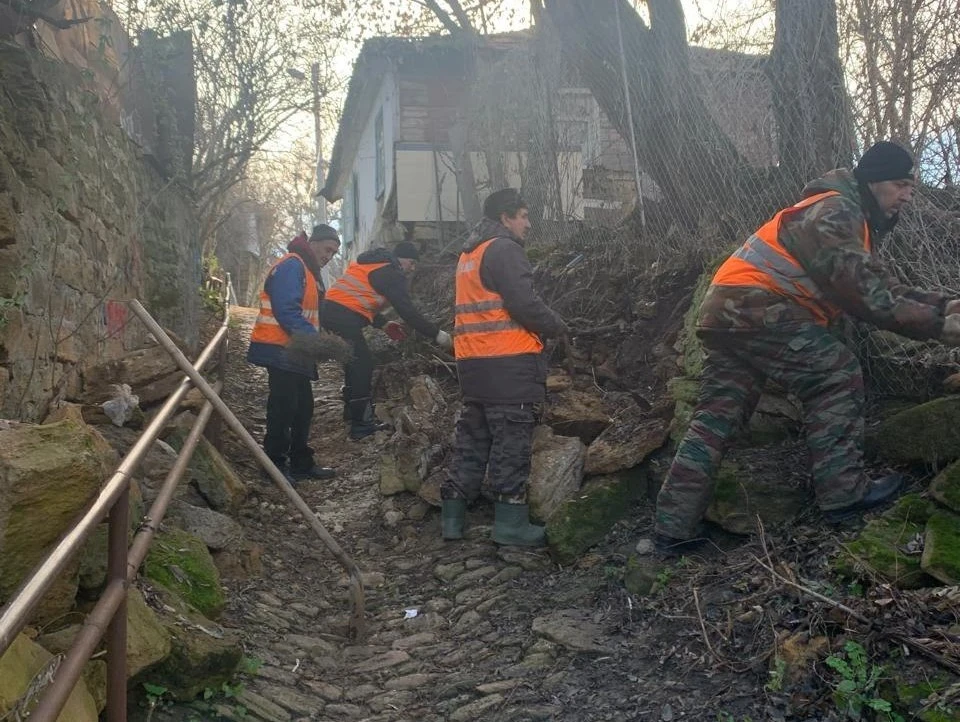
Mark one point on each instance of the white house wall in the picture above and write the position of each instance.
(367, 234)
(421, 172)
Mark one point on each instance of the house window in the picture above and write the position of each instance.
(381, 161)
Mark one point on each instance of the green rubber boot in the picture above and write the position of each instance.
(512, 527)
(453, 514)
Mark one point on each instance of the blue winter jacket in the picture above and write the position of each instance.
(285, 287)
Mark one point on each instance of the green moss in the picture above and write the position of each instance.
(692, 348)
(585, 520)
(941, 549)
(739, 498)
(198, 660)
(685, 389)
(181, 562)
(928, 433)
(913, 694)
(877, 547)
(945, 488)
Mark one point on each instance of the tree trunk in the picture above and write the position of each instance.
(702, 176)
(810, 102)
(679, 144)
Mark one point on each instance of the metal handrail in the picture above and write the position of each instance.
(109, 614)
(111, 608)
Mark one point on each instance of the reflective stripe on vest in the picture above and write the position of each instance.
(483, 327)
(763, 262)
(267, 329)
(354, 291)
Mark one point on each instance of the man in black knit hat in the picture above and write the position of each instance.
(377, 279)
(767, 315)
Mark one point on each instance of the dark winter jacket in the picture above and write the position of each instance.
(390, 283)
(826, 239)
(285, 286)
(505, 270)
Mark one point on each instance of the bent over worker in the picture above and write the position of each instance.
(289, 305)
(377, 279)
(500, 322)
(766, 315)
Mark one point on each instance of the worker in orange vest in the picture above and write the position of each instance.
(289, 305)
(498, 341)
(377, 279)
(766, 315)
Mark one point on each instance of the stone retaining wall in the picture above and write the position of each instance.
(86, 222)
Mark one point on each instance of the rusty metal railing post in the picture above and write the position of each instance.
(117, 630)
(215, 427)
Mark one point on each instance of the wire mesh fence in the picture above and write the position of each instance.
(630, 144)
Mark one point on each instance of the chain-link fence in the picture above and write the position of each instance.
(630, 144)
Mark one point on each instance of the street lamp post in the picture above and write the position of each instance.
(320, 174)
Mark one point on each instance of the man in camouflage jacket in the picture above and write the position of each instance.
(766, 315)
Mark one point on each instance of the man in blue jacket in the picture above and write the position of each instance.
(290, 305)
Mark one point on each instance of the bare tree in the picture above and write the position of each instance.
(243, 54)
(903, 66)
(696, 166)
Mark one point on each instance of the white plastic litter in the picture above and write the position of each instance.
(119, 409)
(410, 613)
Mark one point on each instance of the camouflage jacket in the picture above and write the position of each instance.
(826, 238)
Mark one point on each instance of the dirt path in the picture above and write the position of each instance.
(461, 631)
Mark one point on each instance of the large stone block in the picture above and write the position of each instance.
(556, 471)
(577, 413)
(883, 547)
(48, 475)
(211, 475)
(740, 498)
(625, 444)
(941, 547)
(182, 563)
(137, 369)
(19, 666)
(148, 641)
(585, 520)
(203, 655)
(928, 433)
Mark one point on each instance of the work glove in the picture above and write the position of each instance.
(395, 330)
(951, 330)
(444, 340)
(952, 307)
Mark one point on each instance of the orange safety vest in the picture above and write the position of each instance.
(354, 291)
(267, 329)
(763, 262)
(482, 326)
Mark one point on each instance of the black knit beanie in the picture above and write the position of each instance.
(405, 249)
(884, 161)
(323, 232)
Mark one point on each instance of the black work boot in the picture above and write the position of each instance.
(308, 473)
(363, 421)
(879, 491)
(453, 516)
(512, 527)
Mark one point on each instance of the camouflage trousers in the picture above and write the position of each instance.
(810, 363)
(493, 442)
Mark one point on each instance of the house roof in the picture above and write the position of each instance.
(379, 55)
